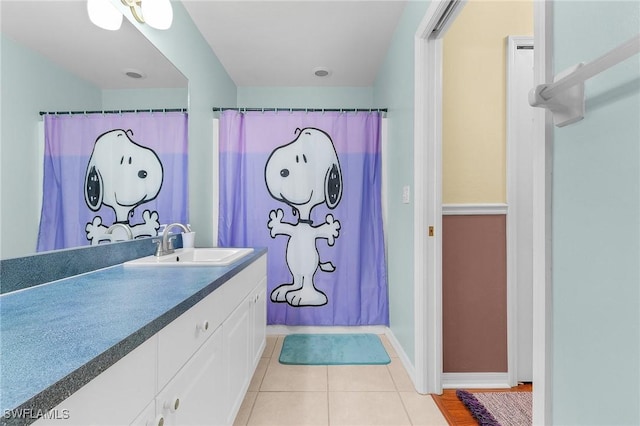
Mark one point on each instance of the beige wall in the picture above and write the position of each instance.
(474, 99)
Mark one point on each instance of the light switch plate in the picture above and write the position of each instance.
(406, 194)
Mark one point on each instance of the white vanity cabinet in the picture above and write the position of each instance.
(210, 387)
(195, 371)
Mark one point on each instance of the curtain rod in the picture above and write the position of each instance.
(241, 109)
(116, 111)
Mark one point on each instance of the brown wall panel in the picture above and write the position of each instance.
(474, 293)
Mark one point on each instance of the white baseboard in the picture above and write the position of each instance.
(474, 209)
(475, 380)
(406, 363)
(291, 329)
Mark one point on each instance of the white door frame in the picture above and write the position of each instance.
(428, 209)
(427, 168)
(542, 167)
(518, 124)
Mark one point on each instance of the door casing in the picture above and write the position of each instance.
(428, 207)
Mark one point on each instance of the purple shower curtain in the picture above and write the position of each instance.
(100, 169)
(306, 185)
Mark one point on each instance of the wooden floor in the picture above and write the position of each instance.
(455, 411)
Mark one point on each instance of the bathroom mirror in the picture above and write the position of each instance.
(55, 41)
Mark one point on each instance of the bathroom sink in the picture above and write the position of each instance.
(214, 256)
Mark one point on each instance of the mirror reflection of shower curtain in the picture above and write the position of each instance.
(137, 166)
(282, 187)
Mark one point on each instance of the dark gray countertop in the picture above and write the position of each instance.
(56, 337)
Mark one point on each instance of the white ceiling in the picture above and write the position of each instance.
(62, 32)
(260, 43)
(280, 43)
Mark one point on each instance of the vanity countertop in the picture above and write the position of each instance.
(56, 337)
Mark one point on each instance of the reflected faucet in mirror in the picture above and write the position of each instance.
(117, 235)
(165, 246)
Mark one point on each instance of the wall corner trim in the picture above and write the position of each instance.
(475, 380)
(475, 209)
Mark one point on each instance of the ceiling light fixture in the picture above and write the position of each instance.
(133, 73)
(321, 72)
(104, 14)
(156, 13)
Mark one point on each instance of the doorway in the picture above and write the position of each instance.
(428, 198)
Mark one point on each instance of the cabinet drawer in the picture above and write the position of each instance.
(239, 287)
(179, 340)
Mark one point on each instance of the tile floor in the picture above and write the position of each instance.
(334, 395)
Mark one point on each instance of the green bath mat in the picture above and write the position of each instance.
(333, 349)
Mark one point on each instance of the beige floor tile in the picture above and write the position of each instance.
(261, 369)
(277, 347)
(388, 347)
(245, 409)
(271, 344)
(281, 377)
(360, 378)
(358, 395)
(400, 377)
(366, 409)
(422, 409)
(290, 408)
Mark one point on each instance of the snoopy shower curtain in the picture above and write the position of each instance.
(307, 185)
(103, 169)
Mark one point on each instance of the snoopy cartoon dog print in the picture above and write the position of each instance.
(303, 174)
(122, 174)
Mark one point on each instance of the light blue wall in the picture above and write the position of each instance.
(145, 98)
(209, 86)
(596, 225)
(30, 83)
(394, 89)
(305, 97)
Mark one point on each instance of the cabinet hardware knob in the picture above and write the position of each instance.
(204, 326)
(172, 405)
(161, 421)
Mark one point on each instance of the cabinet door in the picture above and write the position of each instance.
(237, 342)
(259, 320)
(196, 395)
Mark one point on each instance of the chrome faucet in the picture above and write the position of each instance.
(120, 225)
(165, 246)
